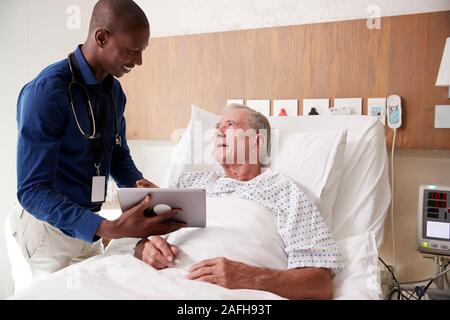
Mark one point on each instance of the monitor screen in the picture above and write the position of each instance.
(440, 230)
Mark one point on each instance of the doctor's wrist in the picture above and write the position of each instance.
(107, 230)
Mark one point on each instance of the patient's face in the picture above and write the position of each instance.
(235, 140)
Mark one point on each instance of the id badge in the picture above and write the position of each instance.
(98, 189)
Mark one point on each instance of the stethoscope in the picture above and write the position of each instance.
(95, 134)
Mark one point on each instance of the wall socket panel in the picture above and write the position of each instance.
(376, 107)
(355, 104)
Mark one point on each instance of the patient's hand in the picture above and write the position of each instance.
(223, 272)
(298, 283)
(156, 252)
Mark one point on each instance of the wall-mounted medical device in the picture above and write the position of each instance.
(394, 111)
(433, 220)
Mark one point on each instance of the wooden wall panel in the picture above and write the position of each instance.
(338, 59)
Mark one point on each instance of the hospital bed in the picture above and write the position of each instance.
(358, 215)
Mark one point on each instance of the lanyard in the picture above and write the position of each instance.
(98, 145)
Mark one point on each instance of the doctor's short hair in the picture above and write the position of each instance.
(256, 120)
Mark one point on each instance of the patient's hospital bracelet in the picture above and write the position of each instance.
(225, 310)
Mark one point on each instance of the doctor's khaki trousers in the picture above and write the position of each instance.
(36, 248)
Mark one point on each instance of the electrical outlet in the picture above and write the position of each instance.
(355, 104)
(341, 111)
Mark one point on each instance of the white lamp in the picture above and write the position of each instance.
(443, 78)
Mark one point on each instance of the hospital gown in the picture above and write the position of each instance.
(306, 237)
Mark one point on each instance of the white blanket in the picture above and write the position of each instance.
(236, 229)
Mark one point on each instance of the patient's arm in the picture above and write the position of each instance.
(156, 252)
(301, 283)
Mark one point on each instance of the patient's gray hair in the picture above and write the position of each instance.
(256, 120)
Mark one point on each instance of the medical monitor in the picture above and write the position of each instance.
(433, 223)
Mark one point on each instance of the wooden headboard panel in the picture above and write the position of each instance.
(326, 60)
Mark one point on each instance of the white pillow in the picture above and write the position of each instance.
(187, 154)
(314, 160)
(360, 278)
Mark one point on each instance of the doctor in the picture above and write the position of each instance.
(71, 130)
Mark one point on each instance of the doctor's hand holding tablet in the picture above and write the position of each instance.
(159, 253)
(148, 211)
(190, 204)
(156, 251)
(144, 183)
(134, 223)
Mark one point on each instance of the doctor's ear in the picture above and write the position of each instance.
(101, 37)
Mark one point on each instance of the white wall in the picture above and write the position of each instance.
(176, 17)
(152, 157)
(12, 52)
(34, 34)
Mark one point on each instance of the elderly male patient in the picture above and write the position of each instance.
(313, 256)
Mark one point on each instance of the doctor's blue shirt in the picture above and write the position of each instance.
(55, 163)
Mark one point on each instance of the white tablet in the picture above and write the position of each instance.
(191, 201)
